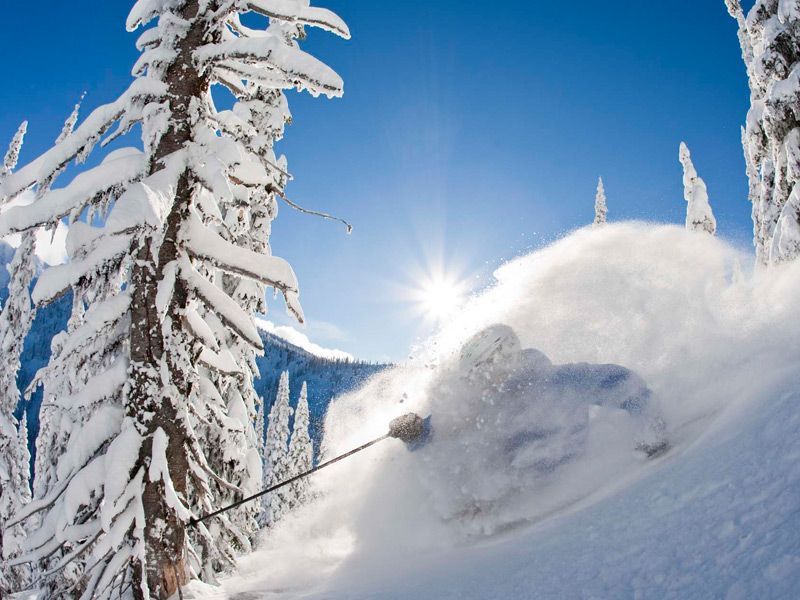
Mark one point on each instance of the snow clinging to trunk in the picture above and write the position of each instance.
(769, 36)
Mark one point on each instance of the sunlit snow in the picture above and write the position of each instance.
(718, 349)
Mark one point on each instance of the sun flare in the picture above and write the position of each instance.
(440, 296)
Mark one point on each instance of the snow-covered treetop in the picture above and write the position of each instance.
(232, 149)
(699, 216)
(600, 208)
(12, 154)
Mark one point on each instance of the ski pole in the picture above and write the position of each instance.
(408, 428)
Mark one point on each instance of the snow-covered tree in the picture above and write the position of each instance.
(12, 153)
(18, 481)
(24, 454)
(261, 434)
(143, 373)
(14, 490)
(276, 451)
(18, 312)
(301, 452)
(261, 445)
(699, 216)
(240, 455)
(770, 40)
(600, 208)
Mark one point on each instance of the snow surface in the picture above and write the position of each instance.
(716, 516)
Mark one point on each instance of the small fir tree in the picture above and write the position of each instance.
(699, 216)
(277, 446)
(261, 444)
(301, 452)
(600, 208)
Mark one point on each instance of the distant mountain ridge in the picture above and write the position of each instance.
(326, 378)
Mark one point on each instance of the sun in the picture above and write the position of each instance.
(439, 296)
(435, 291)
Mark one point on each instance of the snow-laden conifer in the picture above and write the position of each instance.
(301, 452)
(277, 447)
(240, 455)
(261, 445)
(699, 216)
(24, 454)
(13, 470)
(16, 577)
(600, 208)
(18, 312)
(146, 366)
(770, 40)
(12, 153)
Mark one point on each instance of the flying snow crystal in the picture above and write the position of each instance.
(768, 37)
(699, 216)
(150, 390)
(600, 208)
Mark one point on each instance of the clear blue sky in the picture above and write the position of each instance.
(469, 133)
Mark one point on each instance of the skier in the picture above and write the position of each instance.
(540, 402)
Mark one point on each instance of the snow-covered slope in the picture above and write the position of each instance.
(717, 520)
(715, 517)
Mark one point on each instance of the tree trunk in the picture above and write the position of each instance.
(158, 348)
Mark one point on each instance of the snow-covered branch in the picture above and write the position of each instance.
(301, 70)
(288, 11)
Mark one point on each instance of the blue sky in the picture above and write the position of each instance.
(469, 133)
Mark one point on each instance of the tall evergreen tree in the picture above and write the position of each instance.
(261, 437)
(24, 454)
(261, 427)
(600, 208)
(13, 472)
(770, 40)
(276, 451)
(13, 578)
(301, 452)
(144, 371)
(699, 216)
(19, 312)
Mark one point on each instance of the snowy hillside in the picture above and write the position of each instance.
(326, 377)
(716, 516)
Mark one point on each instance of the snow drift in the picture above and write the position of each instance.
(715, 345)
